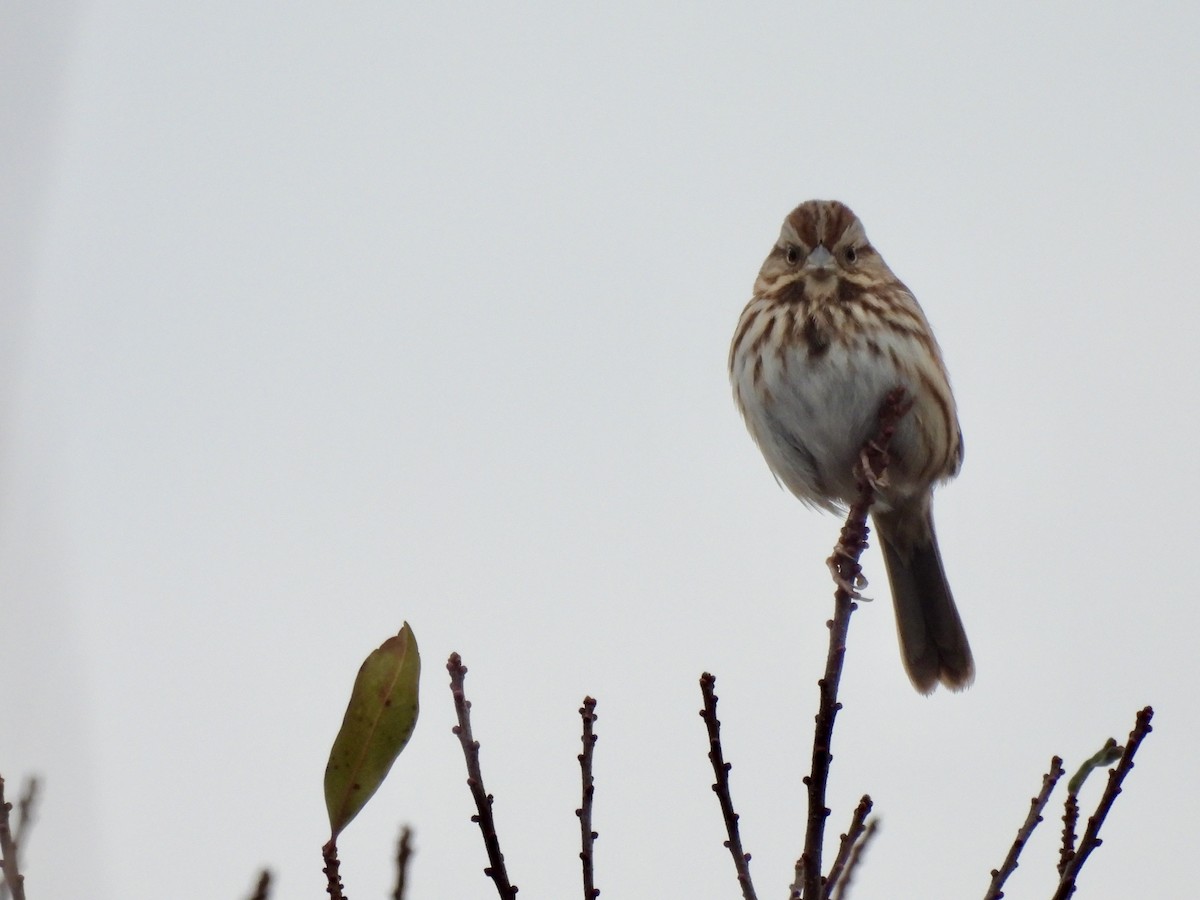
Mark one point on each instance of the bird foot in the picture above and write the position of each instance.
(869, 451)
(853, 583)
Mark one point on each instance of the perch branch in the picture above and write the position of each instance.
(847, 575)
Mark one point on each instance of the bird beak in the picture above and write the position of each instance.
(820, 259)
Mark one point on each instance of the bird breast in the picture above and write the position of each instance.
(811, 401)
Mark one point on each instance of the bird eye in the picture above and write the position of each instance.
(792, 255)
(851, 254)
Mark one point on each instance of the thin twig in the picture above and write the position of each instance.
(856, 858)
(8, 851)
(1036, 805)
(1106, 756)
(483, 801)
(848, 843)
(847, 575)
(404, 855)
(333, 881)
(1070, 819)
(1091, 836)
(587, 837)
(262, 889)
(25, 807)
(741, 859)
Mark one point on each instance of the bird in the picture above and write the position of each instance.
(828, 334)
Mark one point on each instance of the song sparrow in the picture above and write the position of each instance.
(829, 333)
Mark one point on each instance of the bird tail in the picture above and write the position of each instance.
(933, 644)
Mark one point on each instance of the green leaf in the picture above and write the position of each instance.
(1106, 756)
(379, 721)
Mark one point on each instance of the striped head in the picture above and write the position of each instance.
(822, 251)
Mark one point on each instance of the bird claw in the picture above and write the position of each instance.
(852, 586)
(876, 481)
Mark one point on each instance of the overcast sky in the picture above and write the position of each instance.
(321, 318)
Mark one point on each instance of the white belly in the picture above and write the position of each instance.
(811, 416)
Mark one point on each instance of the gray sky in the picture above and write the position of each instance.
(319, 319)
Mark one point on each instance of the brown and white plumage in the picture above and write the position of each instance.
(829, 332)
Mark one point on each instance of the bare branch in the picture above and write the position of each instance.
(25, 808)
(741, 859)
(848, 843)
(856, 857)
(1070, 819)
(333, 881)
(8, 851)
(588, 837)
(1091, 836)
(404, 855)
(483, 801)
(1106, 756)
(262, 889)
(848, 578)
(1036, 805)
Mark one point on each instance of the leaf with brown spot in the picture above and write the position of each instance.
(379, 721)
